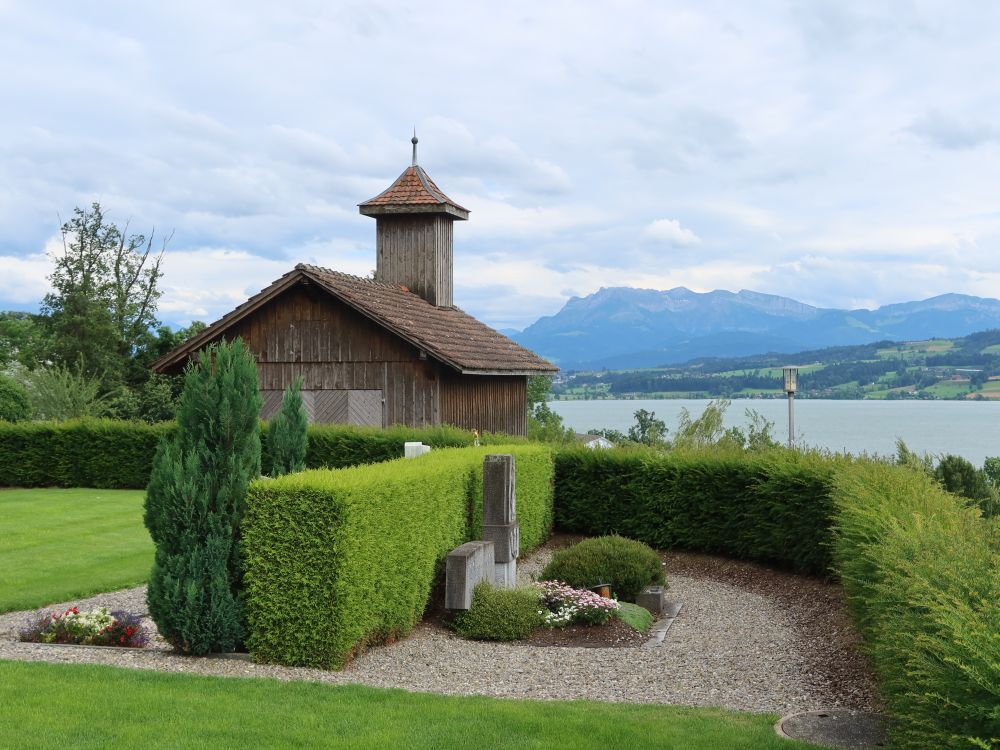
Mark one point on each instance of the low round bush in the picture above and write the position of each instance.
(500, 614)
(629, 566)
(14, 403)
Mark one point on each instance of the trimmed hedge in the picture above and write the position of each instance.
(773, 507)
(922, 575)
(81, 453)
(921, 569)
(116, 454)
(337, 560)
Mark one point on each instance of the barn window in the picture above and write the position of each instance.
(360, 407)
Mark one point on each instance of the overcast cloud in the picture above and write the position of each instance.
(842, 153)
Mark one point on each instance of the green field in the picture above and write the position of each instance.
(60, 544)
(50, 705)
(948, 389)
(914, 348)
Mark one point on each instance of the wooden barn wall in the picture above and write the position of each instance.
(491, 403)
(416, 251)
(306, 333)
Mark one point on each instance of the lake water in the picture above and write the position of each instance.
(966, 428)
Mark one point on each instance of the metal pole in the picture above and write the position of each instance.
(791, 419)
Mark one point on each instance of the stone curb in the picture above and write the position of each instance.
(658, 631)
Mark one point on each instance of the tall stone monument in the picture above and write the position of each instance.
(500, 517)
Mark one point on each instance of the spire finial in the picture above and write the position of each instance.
(413, 140)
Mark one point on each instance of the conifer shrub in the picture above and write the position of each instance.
(286, 434)
(629, 566)
(196, 500)
(15, 406)
(500, 614)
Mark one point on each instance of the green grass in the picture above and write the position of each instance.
(948, 388)
(51, 705)
(910, 349)
(636, 617)
(61, 544)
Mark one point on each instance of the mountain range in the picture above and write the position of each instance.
(622, 327)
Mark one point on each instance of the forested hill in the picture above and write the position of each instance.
(959, 368)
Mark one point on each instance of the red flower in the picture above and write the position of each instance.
(122, 639)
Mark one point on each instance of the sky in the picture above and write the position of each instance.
(845, 154)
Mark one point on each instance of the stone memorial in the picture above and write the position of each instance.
(500, 525)
(465, 567)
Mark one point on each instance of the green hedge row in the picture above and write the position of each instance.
(922, 576)
(921, 569)
(338, 560)
(113, 454)
(773, 507)
(86, 453)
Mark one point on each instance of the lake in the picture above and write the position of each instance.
(965, 428)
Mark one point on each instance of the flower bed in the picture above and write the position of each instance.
(567, 605)
(98, 627)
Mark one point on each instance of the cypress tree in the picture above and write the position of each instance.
(196, 499)
(287, 439)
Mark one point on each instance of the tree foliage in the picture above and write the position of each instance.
(60, 392)
(287, 440)
(14, 403)
(105, 292)
(647, 429)
(196, 500)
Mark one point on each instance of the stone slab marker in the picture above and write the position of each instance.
(412, 450)
(465, 567)
(652, 599)
(500, 525)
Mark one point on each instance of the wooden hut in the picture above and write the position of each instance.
(388, 350)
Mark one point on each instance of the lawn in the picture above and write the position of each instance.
(60, 544)
(52, 705)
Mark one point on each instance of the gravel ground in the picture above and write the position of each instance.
(748, 639)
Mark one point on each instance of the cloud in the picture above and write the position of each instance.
(23, 281)
(777, 143)
(670, 232)
(948, 132)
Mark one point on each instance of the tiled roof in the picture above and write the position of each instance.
(445, 333)
(413, 188)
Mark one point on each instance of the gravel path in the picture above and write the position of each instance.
(736, 646)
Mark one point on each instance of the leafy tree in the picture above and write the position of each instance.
(286, 437)
(647, 429)
(991, 468)
(539, 387)
(24, 339)
(153, 401)
(546, 426)
(14, 403)
(105, 291)
(196, 499)
(959, 476)
(59, 392)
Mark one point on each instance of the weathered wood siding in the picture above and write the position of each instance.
(416, 250)
(491, 403)
(306, 332)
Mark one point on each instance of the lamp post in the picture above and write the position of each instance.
(791, 385)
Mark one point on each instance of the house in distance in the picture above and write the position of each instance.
(388, 350)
